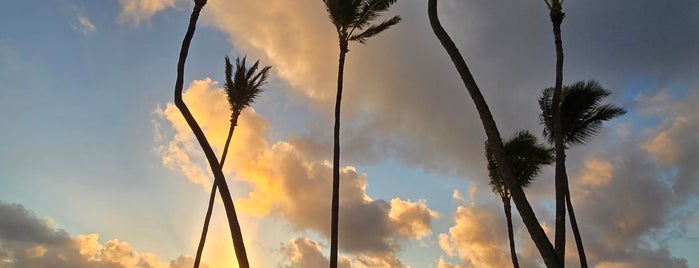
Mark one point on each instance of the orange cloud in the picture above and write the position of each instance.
(133, 12)
(477, 238)
(284, 182)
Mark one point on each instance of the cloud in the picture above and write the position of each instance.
(85, 25)
(285, 183)
(305, 253)
(133, 12)
(27, 241)
(477, 237)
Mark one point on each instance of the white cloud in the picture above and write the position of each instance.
(133, 12)
(84, 25)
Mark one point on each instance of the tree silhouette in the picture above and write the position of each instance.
(233, 223)
(525, 210)
(349, 16)
(556, 15)
(526, 156)
(241, 90)
(582, 114)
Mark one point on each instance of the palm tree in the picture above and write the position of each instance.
(349, 16)
(233, 223)
(582, 114)
(556, 15)
(241, 91)
(526, 156)
(525, 210)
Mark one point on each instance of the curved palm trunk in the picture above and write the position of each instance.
(576, 231)
(212, 197)
(525, 210)
(233, 223)
(335, 206)
(510, 232)
(556, 15)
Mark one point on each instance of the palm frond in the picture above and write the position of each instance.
(582, 111)
(526, 156)
(342, 13)
(370, 10)
(546, 116)
(374, 30)
(245, 84)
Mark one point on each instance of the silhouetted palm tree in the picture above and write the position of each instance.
(526, 156)
(349, 16)
(233, 223)
(241, 90)
(556, 15)
(525, 210)
(582, 114)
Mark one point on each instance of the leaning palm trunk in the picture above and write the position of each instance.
(525, 210)
(336, 162)
(576, 231)
(212, 197)
(233, 223)
(510, 232)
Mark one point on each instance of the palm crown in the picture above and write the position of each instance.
(526, 156)
(349, 16)
(582, 111)
(245, 85)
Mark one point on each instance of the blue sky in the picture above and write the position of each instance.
(90, 138)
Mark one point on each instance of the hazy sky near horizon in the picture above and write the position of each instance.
(98, 168)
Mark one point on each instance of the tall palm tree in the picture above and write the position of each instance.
(556, 15)
(241, 91)
(349, 16)
(233, 223)
(582, 114)
(491, 130)
(526, 156)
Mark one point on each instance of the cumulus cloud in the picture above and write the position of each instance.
(285, 183)
(27, 241)
(133, 12)
(306, 253)
(477, 237)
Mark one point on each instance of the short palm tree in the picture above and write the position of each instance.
(526, 156)
(354, 21)
(233, 223)
(582, 114)
(241, 90)
(535, 230)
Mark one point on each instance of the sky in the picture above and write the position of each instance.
(99, 169)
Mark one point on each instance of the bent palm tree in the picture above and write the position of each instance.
(233, 223)
(349, 16)
(526, 156)
(556, 15)
(491, 130)
(582, 114)
(241, 91)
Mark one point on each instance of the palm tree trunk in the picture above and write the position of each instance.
(233, 223)
(510, 232)
(576, 231)
(335, 221)
(212, 197)
(556, 15)
(525, 210)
